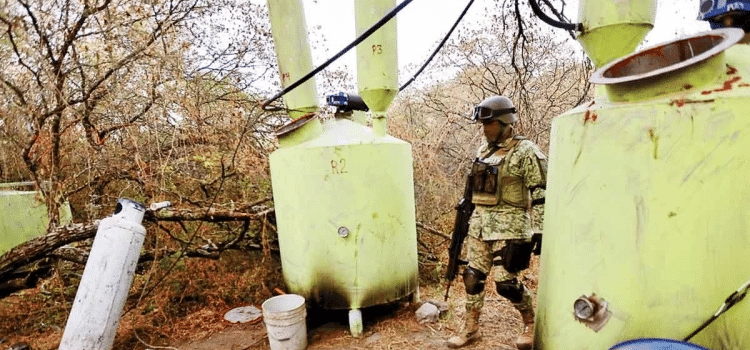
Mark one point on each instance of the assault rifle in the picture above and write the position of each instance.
(464, 208)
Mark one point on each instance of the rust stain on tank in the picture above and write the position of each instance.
(589, 116)
(678, 103)
(681, 102)
(731, 70)
(655, 139)
(687, 86)
(727, 86)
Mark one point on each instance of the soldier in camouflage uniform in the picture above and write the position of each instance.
(508, 169)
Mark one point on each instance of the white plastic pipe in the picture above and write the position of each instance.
(106, 280)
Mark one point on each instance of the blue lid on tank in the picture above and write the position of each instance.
(656, 344)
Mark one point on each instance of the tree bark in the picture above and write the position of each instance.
(50, 244)
(40, 247)
(210, 215)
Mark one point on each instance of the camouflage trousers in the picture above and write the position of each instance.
(480, 256)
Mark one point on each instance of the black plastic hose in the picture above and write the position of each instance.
(557, 24)
(354, 43)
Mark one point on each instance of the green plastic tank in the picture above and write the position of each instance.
(345, 211)
(646, 219)
(344, 192)
(23, 216)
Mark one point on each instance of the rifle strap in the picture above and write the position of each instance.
(511, 145)
(492, 151)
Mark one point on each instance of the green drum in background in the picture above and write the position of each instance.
(23, 216)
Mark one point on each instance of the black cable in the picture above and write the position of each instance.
(734, 298)
(354, 43)
(438, 48)
(557, 24)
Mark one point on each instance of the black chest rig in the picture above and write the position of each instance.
(492, 181)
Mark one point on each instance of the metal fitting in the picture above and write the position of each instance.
(160, 205)
(591, 311)
(343, 232)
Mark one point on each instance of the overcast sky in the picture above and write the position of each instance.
(423, 23)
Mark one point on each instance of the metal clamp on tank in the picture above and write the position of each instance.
(591, 311)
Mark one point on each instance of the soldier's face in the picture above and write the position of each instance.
(493, 130)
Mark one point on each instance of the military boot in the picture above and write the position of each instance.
(469, 333)
(525, 340)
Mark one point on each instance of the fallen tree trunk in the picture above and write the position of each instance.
(41, 247)
(52, 244)
(210, 215)
(17, 273)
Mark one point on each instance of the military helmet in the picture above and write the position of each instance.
(713, 11)
(496, 107)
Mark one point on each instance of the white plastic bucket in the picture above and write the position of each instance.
(284, 316)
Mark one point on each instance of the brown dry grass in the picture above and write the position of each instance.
(394, 327)
(187, 314)
(188, 305)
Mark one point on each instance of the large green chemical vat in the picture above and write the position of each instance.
(345, 208)
(646, 220)
(344, 192)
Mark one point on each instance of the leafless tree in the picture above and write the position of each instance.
(511, 53)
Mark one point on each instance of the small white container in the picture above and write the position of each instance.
(284, 316)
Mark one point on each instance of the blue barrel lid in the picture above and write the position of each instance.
(656, 344)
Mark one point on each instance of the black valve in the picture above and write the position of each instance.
(346, 102)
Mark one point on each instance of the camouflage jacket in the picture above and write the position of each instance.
(503, 221)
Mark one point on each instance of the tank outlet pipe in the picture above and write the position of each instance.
(292, 47)
(289, 31)
(613, 28)
(93, 320)
(377, 60)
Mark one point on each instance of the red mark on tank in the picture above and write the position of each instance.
(731, 70)
(589, 116)
(681, 102)
(727, 86)
(687, 86)
(678, 103)
(743, 85)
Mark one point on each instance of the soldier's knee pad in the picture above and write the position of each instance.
(473, 280)
(510, 289)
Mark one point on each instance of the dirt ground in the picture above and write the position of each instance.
(390, 329)
(385, 327)
(391, 326)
